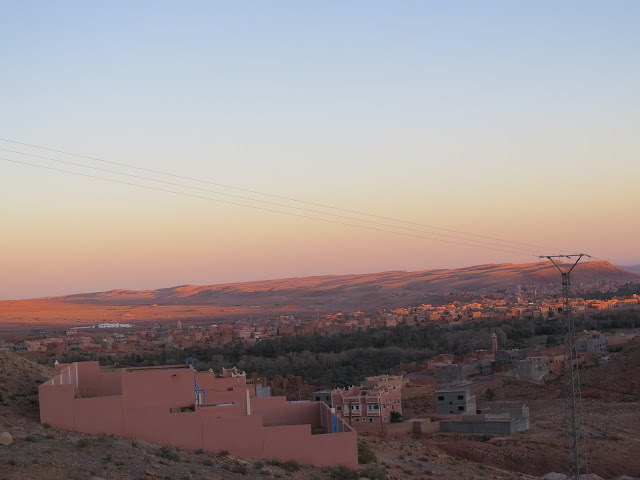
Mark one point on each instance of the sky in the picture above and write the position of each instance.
(511, 120)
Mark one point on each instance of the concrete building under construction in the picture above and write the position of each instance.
(455, 402)
(506, 421)
(533, 368)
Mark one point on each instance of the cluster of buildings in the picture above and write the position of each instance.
(532, 363)
(125, 339)
(181, 407)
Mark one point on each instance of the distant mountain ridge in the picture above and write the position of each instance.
(633, 268)
(375, 290)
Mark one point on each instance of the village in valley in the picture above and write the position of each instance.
(147, 336)
(486, 397)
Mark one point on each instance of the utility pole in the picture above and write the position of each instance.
(575, 448)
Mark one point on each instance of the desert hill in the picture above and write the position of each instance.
(320, 294)
(388, 289)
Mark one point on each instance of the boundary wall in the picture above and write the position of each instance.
(158, 405)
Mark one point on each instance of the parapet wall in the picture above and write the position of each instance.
(398, 429)
(501, 427)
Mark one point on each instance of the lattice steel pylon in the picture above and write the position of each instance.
(576, 447)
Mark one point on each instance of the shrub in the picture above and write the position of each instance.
(274, 462)
(258, 465)
(365, 453)
(32, 438)
(223, 453)
(490, 394)
(373, 472)
(396, 417)
(82, 444)
(291, 466)
(168, 453)
(241, 469)
(199, 451)
(207, 463)
(344, 473)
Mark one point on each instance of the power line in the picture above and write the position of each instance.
(530, 251)
(276, 196)
(264, 208)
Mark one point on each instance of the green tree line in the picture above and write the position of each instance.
(345, 358)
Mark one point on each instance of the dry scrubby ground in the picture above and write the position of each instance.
(44, 453)
(612, 439)
(611, 410)
(51, 454)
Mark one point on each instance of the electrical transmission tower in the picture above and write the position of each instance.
(576, 448)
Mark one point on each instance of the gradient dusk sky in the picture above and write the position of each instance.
(513, 120)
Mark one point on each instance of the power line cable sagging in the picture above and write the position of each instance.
(286, 205)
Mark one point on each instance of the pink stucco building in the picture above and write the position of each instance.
(179, 407)
(372, 402)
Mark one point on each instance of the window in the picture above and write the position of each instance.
(441, 398)
(357, 419)
(317, 398)
(460, 397)
(371, 419)
(339, 407)
(460, 408)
